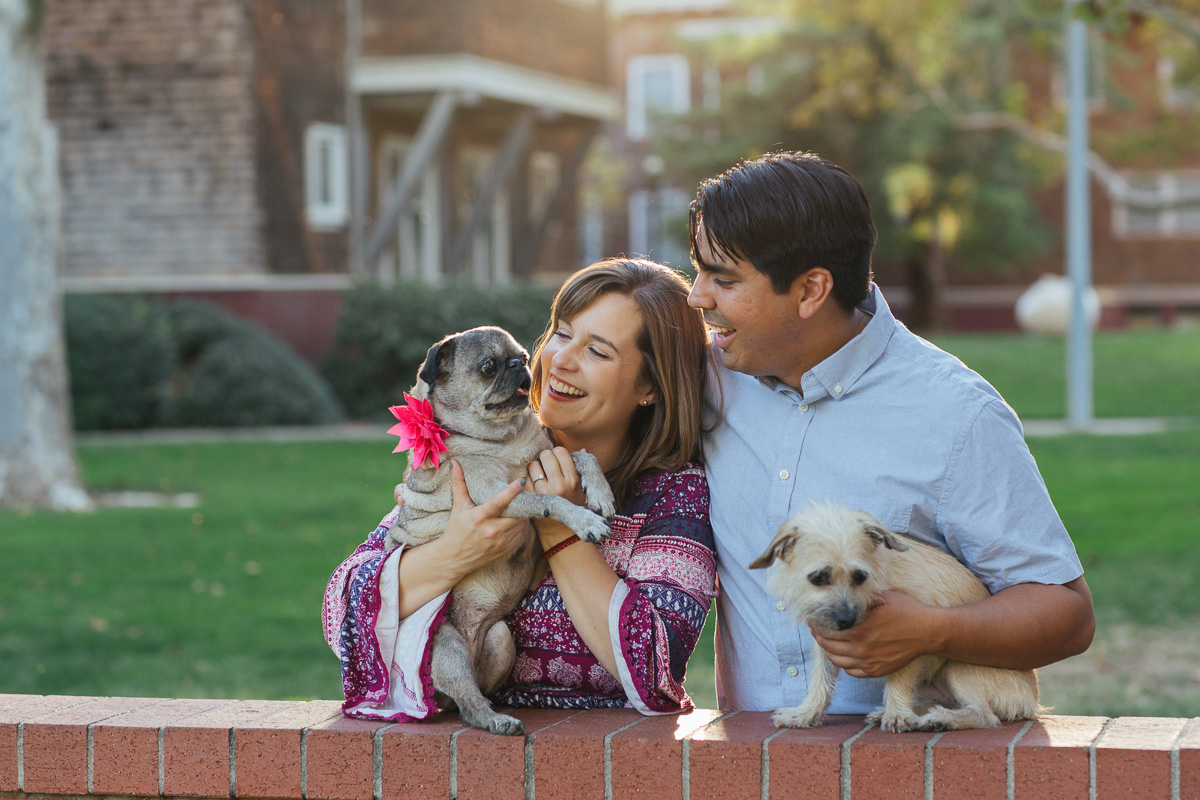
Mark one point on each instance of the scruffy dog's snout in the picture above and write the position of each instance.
(844, 618)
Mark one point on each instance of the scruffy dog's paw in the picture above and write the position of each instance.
(900, 722)
(796, 717)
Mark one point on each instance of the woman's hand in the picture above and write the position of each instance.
(554, 473)
(477, 534)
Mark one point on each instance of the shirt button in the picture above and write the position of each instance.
(804, 408)
(781, 605)
(784, 474)
(793, 671)
(837, 389)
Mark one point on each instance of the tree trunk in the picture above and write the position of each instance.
(926, 266)
(37, 456)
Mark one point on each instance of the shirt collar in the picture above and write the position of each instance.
(835, 376)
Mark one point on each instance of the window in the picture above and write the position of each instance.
(490, 256)
(654, 85)
(658, 225)
(544, 175)
(1178, 216)
(326, 176)
(418, 250)
(1176, 96)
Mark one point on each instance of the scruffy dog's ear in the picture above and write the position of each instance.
(429, 370)
(882, 536)
(781, 545)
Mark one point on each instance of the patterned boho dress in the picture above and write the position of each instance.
(662, 549)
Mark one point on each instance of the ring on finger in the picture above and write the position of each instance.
(539, 478)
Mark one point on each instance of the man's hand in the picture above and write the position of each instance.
(898, 629)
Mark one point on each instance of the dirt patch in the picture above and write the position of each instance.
(1129, 671)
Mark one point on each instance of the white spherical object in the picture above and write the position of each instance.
(1045, 307)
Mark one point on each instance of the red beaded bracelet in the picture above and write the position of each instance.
(564, 544)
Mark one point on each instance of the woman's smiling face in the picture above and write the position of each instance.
(592, 370)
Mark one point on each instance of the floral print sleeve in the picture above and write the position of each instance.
(658, 610)
(385, 660)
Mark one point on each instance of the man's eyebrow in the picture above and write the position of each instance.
(709, 266)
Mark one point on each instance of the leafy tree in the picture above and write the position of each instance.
(922, 101)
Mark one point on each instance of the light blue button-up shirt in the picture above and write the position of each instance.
(888, 424)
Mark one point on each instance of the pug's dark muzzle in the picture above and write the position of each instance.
(514, 383)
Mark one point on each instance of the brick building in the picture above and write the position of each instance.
(268, 153)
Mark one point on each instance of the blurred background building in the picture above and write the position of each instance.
(267, 154)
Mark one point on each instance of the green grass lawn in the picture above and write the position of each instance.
(1152, 372)
(224, 600)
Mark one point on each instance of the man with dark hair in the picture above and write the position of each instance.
(828, 398)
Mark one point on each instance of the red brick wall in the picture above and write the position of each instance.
(87, 746)
(155, 115)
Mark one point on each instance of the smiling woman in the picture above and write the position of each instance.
(620, 372)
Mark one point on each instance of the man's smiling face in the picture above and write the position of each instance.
(756, 330)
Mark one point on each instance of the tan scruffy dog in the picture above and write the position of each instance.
(833, 563)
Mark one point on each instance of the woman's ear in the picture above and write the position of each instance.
(811, 290)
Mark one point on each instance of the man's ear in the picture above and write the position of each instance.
(811, 290)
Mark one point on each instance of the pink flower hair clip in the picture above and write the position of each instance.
(419, 432)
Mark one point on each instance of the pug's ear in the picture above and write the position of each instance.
(781, 545)
(882, 536)
(429, 370)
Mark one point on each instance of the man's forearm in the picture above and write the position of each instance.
(1025, 626)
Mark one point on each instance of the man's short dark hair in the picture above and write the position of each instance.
(787, 213)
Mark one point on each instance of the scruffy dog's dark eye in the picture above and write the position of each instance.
(489, 367)
(820, 578)
(859, 577)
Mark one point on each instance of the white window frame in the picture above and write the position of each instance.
(1168, 218)
(648, 207)
(326, 176)
(1175, 98)
(545, 173)
(637, 124)
(418, 251)
(491, 249)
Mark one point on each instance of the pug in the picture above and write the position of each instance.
(477, 383)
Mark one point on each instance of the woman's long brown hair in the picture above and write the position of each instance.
(676, 361)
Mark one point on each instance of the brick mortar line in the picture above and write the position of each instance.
(1092, 790)
(1176, 768)
(91, 761)
(233, 761)
(162, 750)
(304, 761)
(608, 793)
(377, 762)
(529, 776)
(453, 777)
(1010, 762)
(764, 770)
(845, 763)
(685, 755)
(929, 764)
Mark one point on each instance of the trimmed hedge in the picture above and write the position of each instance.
(136, 363)
(384, 333)
(120, 356)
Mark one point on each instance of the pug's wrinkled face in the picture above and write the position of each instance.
(478, 382)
